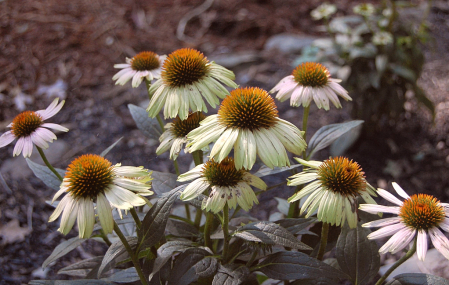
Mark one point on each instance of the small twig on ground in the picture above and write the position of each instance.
(193, 13)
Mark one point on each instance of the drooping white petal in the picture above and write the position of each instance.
(68, 216)
(374, 209)
(191, 174)
(440, 241)
(105, 213)
(27, 146)
(400, 191)
(55, 127)
(6, 138)
(386, 231)
(86, 217)
(61, 206)
(19, 146)
(389, 197)
(194, 189)
(421, 245)
(382, 222)
(254, 181)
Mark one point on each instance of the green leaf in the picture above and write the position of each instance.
(269, 233)
(62, 249)
(417, 279)
(46, 175)
(149, 126)
(289, 265)
(230, 274)
(190, 264)
(283, 205)
(124, 276)
(165, 252)
(82, 268)
(357, 255)
(153, 225)
(345, 141)
(403, 71)
(70, 282)
(115, 253)
(181, 229)
(163, 182)
(264, 170)
(328, 134)
(106, 151)
(295, 225)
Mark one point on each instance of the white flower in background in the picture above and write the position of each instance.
(364, 9)
(382, 38)
(187, 76)
(227, 185)
(323, 11)
(175, 134)
(310, 81)
(144, 65)
(248, 122)
(387, 12)
(29, 129)
(93, 179)
(419, 216)
(332, 188)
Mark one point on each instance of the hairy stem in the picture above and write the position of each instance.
(224, 226)
(208, 229)
(44, 158)
(323, 241)
(136, 217)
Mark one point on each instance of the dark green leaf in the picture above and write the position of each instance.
(403, 71)
(81, 268)
(328, 134)
(417, 279)
(62, 249)
(345, 141)
(264, 170)
(188, 264)
(106, 151)
(295, 225)
(288, 265)
(116, 252)
(124, 276)
(163, 182)
(149, 126)
(153, 225)
(46, 175)
(357, 255)
(197, 202)
(230, 274)
(181, 229)
(269, 233)
(70, 282)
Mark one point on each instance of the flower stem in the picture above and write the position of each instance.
(323, 242)
(224, 226)
(131, 253)
(105, 237)
(198, 159)
(208, 229)
(251, 260)
(136, 217)
(44, 158)
(399, 262)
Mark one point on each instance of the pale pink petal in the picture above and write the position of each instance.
(398, 241)
(55, 127)
(389, 197)
(374, 209)
(440, 241)
(400, 191)
(27, 146)
(38, 141)
(121, 65)
(45, 134)
(386, 231)
(445, 224)
(382, 222)
(421, 247)
(407, 238)
(19, 146)
(52, 110)
(6, 138)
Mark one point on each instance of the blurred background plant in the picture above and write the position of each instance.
(378, 52)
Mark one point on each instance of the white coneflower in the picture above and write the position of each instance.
(310, 81)
(333, 187)
(144, 65)
(364, 9)
(29, 128)
(323, 11)
(248, 122)
(227, 185)
(382, 38)
(175, 134)
(419, 216)
(93, 179)
(187, 76)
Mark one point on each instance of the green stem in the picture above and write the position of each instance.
(224, 226)
(105, 237)
(131, 253)
(198, 216)
(44, 158)
(208, 229)
(175, 163)
(136, 217)
(399, 262)
(323, 242)
(197, 157)
(251, 260)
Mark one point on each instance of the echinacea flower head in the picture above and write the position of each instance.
(323, 11)
(364, 9)
(418, 216)
(333, 187)
(248, 122)
(29, 129)
(175, 134)
(310, 81)
(382, 38)
(226, 183)
(144, 65)
(187, 76)
(93, 179)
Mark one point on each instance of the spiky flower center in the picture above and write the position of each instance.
(146, 60)
(88, 176)
(311, 74)
(342, 176)
(223, 173)
(184, 66)
(26, 123)
(422, 212)
(182, 127)
(249, 108)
